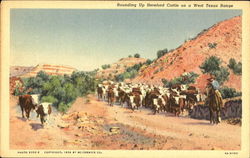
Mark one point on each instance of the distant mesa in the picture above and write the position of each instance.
(21, 71)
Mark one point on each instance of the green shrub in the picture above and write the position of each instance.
(184, 79)
(17, 92)
(212, 45)
(63, 107)
(227, 92)
(156, 71)
(148, 62)
(221, 75)
(61, 90)
(137, 55)
(105, 66)
(49, 99)
(161, 53)
(212, 66)
(235, 67)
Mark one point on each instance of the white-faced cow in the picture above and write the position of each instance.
(44, 110)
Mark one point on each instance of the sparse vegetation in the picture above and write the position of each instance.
(212, 66)
(161, 53)
(148, 62)
(187, 78)
(227, 92)
(105, 66)
(137, 55)
(132, 71)
(235, 67)
(60, 90)
(156, 71)
(212, 45)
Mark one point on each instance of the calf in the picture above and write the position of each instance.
(44, 110)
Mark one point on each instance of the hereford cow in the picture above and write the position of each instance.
(160, 103)
(44, 110)
(28, 103)
(111, 96)
(134, 100)
(99, 91)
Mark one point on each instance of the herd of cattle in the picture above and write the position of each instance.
(174, 100)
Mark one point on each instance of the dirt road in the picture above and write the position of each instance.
(139, 130)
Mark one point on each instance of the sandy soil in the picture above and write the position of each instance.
(89, 128)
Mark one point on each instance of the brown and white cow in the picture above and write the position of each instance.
(111, 96)
(27, 103)
(99, 91)
(44, 110)
(134, 100)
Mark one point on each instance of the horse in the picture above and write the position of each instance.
(215, 103)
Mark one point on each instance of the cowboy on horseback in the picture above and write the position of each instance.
(214, 100)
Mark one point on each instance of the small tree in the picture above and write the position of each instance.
(160, 53)
(235, 67)
(43, 75)
(221, 75)
(137, 55)
(212, 66)
(148, 62)
(212, 45)
(105, 66)
(227, 92)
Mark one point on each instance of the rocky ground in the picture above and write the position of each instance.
(92, 124)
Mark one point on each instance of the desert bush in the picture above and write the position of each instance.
(221, 75)
(63, 107)
(17, 92)
(161, 53)
(212, 66)
(49, 99)
(156, 71)
(148, 62)
(184, 79)
(235, 67)
(105, 66)
(227, 92)
(137, 55)
(212, 45)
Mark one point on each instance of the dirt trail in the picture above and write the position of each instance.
(140, 129)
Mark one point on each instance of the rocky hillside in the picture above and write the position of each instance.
(222, 40)
(19, 70)
(48, 68)
(119, 67)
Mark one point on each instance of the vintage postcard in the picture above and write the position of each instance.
(125, 79)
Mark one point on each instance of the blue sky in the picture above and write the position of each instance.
(87, 39)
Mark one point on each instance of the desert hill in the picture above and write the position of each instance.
(19, 70)
(222, 40)
(119, 67)
(50, 69)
